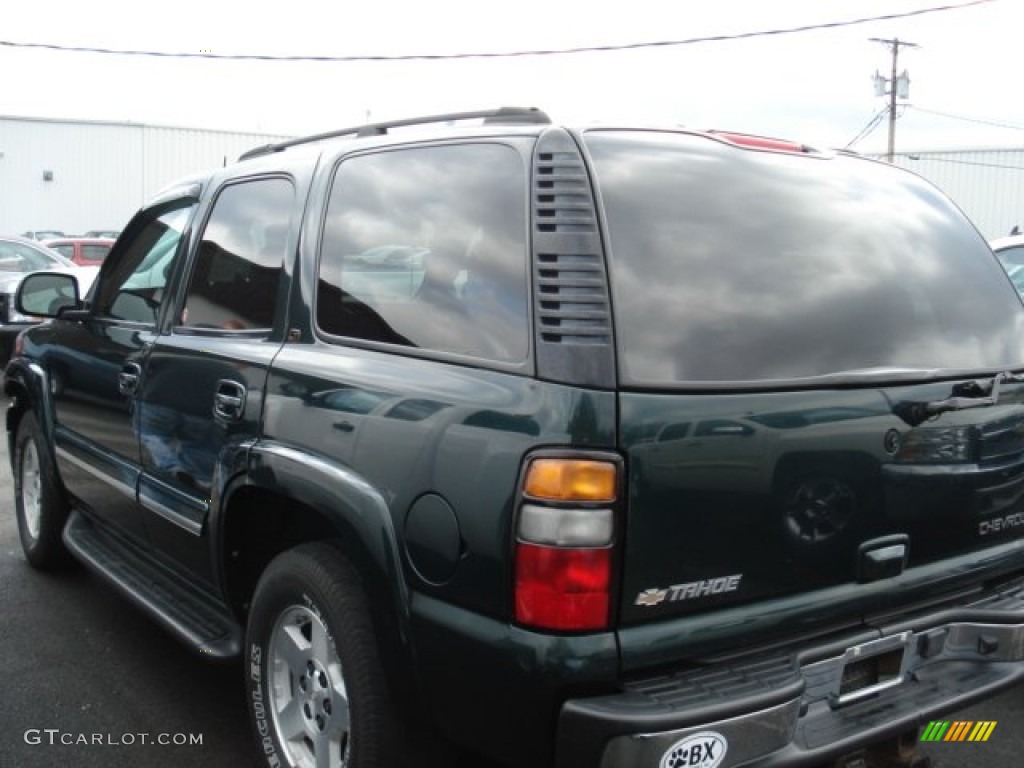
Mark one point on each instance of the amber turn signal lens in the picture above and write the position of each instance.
(571, 480)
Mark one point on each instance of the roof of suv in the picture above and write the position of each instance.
(522, 117)
(501, 116)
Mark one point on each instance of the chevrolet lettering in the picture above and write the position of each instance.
(1000, 524)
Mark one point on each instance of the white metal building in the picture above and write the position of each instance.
(987, 184)
(74, 175)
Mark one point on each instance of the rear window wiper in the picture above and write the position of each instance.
(979, 393)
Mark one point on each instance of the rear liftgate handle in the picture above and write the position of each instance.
(882, 558)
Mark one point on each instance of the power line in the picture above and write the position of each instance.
(498, 55)
(873, 123)
(968, 119)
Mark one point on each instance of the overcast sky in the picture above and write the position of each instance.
(812, 86)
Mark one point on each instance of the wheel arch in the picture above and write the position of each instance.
(28, 386)
(286, 498)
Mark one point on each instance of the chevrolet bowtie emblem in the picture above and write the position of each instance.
(651, 596)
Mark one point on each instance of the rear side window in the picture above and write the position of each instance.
(93, 252)
(733, 265)
(426, 247)
(235, 280)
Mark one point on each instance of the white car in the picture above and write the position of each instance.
(1010, 252)
(20, 256)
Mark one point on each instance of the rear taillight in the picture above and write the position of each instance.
(565, 540)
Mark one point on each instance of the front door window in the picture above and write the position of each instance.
(134, 288)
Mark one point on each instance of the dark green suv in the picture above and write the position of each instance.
(599, 447)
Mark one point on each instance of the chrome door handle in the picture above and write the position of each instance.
(128, 379)
(229, 400)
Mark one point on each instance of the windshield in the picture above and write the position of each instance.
(21, 257)
(1012, 259)
(734, 265)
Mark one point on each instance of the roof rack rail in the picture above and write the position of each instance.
(502, 116)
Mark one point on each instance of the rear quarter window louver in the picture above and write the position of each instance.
(572, 299)
(563, 200)
(571, 302)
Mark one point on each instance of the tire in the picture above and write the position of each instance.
(40, 504)
(316, 685)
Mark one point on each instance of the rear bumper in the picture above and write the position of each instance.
(795, 709)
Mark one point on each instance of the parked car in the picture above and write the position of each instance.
(1010, 252)
(18, 257)
(85, 251)
(571, 446)
(42, 234)
(111, 234)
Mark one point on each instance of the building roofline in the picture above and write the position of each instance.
(132, 124)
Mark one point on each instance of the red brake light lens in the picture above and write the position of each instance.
(563, 589)
(760, 142)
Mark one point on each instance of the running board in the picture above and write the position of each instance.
(193, 616)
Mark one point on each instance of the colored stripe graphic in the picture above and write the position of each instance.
(958, 730)
(935, 731)
(982, 730)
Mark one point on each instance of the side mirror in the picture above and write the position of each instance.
(45, 294)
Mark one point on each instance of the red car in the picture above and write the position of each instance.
(86, 251)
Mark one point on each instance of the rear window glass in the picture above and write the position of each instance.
(92, 252)
(733, 265)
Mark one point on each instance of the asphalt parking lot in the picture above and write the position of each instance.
(90, 682)
(82, 666)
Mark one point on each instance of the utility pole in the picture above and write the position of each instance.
(897, 86)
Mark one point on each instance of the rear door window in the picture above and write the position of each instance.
(235, 280)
